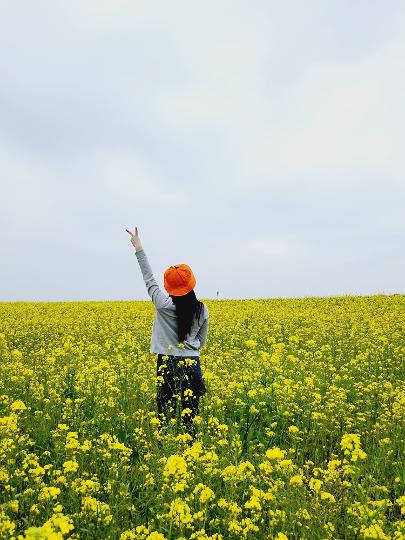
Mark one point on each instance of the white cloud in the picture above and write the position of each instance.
(277, 248)
(230, 132)
(37, 193)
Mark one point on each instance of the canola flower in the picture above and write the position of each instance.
(300, 434)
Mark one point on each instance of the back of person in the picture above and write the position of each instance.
(165, 339)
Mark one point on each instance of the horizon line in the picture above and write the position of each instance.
(342, 295)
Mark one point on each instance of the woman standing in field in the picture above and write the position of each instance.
(179, 330)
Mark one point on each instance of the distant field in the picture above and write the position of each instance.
(301, 432)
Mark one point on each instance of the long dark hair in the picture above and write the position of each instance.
(187, 306)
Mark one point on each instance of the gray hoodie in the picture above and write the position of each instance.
(164, 330)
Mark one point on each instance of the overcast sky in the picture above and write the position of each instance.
(260, 142)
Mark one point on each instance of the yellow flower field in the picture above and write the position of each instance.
(300, 434)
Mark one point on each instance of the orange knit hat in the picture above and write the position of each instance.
(179, 280)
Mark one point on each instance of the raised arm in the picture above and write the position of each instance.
(159, 298)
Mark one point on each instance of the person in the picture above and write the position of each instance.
(180, 329)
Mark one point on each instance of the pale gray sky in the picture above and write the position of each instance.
(259, 142)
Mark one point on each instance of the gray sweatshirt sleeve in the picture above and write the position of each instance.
(159, 298)
(203, 331)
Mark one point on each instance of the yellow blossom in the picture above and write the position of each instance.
(275, 453)
(18, 406)
(296, 480)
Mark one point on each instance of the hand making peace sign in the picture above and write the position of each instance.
(135, 240)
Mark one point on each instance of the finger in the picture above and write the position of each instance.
(136, 230)
(129, 232)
